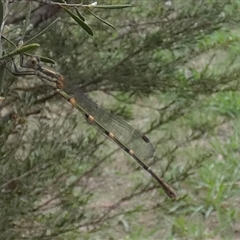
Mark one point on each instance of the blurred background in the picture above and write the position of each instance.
(170, 69)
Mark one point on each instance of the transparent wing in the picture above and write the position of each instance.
(127, 135)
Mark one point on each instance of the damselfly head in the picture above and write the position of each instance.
(33, 62)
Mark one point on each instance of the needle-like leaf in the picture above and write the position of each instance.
(80, 22)
(102, 20)
(20, 50)
(110, 6)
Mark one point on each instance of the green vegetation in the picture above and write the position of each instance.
(170, 69)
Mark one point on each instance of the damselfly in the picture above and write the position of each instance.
(132, 141)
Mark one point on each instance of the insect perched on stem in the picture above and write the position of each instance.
(132, 141)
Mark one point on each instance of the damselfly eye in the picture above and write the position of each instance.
(32, 63)
(34, 60)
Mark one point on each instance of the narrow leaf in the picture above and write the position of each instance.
(27, 19)
(47, 60)
(107, 23)
(110, 6)
(21, 50)
(43, 31)
(29, 47)
(80, 15)
(80, 22)
(9, 41)
(42, 59)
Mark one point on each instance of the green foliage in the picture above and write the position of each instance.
(80, 22)
(171, 68)
(226, 104)
(20, 50)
